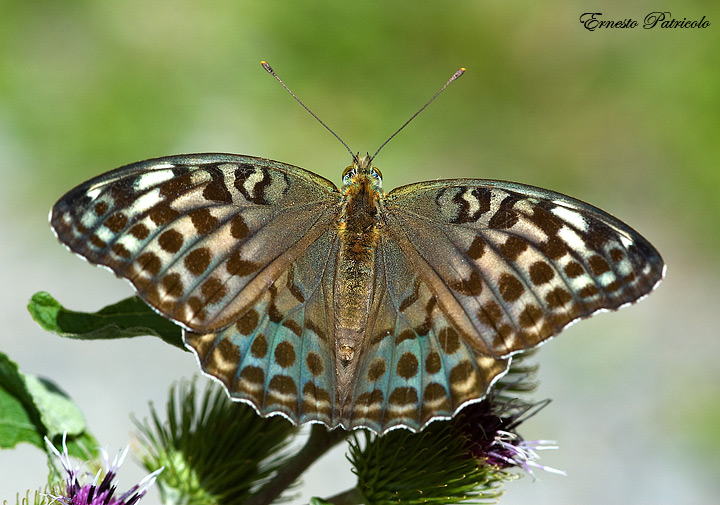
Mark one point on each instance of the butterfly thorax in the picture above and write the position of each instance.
(358, 224)
(359, 219)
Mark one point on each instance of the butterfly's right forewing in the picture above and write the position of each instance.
(513, 265)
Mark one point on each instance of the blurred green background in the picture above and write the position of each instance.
(627, 119)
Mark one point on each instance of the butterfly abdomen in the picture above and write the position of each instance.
(359, 232)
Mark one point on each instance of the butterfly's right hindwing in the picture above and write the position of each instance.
(415, 366)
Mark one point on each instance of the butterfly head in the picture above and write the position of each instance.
(361, 172)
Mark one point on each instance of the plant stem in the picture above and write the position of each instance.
(350, 497)
(320, 441)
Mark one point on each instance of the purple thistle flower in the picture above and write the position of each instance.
(492, 437)
(509, 449)
(102, 493)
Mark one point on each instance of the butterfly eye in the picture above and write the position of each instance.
(375, 174)
(350, 172)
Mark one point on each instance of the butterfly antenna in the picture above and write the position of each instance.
(454, 76)
(270, 71)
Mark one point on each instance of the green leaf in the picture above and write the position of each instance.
(16, 426)
(32, 408)
(58, 413)
(19, 417)
(128, 318)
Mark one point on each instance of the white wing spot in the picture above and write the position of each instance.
(510, 340)
(473, 204)
(130, 243)
(104, 234)
(579, 283)
(153, 178)
(607, 278)
(525, 206)
(624, 267)
(626, 241)
(146, 201)
(88, 220)
(571, 217)
(187, 312)
(402, 410)
(250, 183)
(94, 192)
(572, 239)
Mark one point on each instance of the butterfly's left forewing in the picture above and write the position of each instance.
(200, 237)
(233, 248)
(238, 250)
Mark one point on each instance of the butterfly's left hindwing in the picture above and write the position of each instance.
(193, 232)
(278, 355)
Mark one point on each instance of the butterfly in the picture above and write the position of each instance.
(349, 306)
